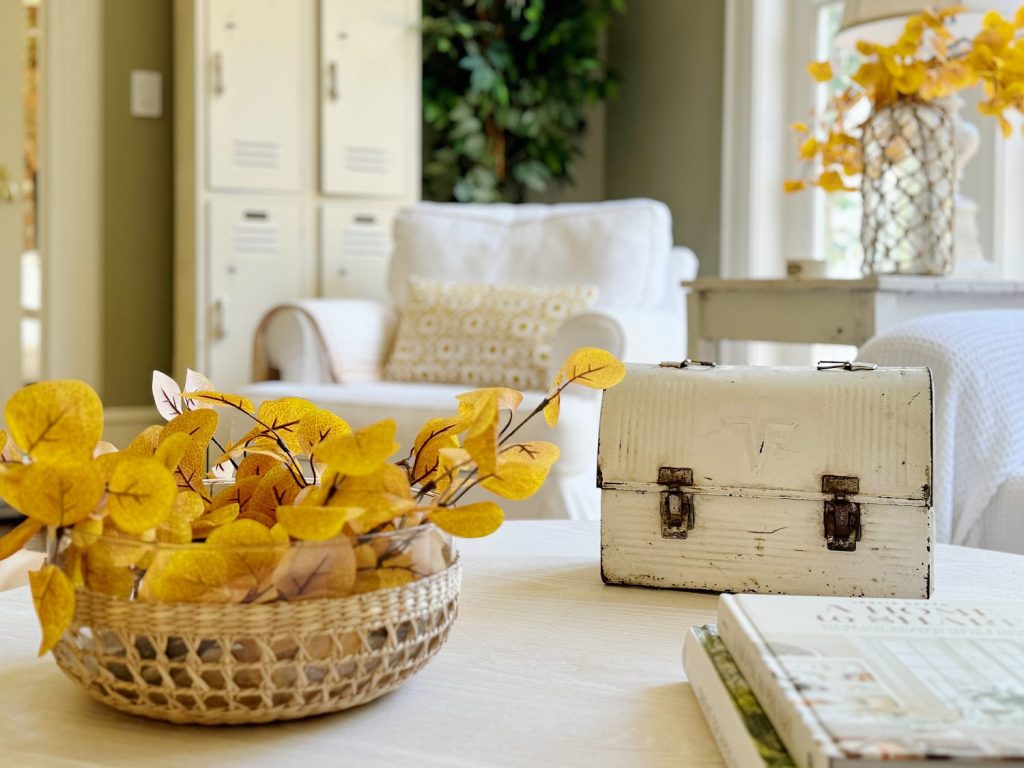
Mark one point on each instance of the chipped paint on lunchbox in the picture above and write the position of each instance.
(778, 480)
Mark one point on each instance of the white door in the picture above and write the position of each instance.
(369, 96)
(255, 262)
(254, 82)
(12, 67)
(355, 248)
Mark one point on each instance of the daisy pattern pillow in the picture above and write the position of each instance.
(481, 335)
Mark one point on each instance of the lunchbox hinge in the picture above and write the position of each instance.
(842, 516)
(676, 505)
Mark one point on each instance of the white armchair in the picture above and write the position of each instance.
(333, 351)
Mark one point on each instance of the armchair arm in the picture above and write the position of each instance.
(633, 335)
(324, 341)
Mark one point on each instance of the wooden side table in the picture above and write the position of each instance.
(827, 311)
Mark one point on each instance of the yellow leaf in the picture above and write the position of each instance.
(360, 452)
(808, 149)
(283, 417)
(315, 523)
(8, 450)
(792, 185)
(470, 521)
(554, 404)
(237, 402)
(831, 181)
(146, 442)
(169, 452)
(177, 528)
(61, 492)
(481, 440)
(592, 367)
(535, 451)
(274, 489)
(251, 554)
(382, 578)
(317, 570)
(820, 71)
(799, 128)
(55, 419)
(433, 436)
(11, 476)
(195, 575)
(471, 403)
(54, 598)
(450, 463)
(240, 493)
(515, 479)
(316, 426)
(279, 534)
(200, 427)
(140, 494)
(18, 537)
(255, 465)
(189, 505)
(215, 518)
(103, 447)
(106, 576)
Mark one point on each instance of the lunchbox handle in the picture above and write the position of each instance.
(846, 365)
(687, 363)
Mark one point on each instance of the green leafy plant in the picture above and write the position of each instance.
(505, 87)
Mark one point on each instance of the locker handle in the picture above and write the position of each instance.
(220, 325)
(332, 81)
(218, 73)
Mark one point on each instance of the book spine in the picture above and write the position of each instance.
(720, 711)
(807, 743)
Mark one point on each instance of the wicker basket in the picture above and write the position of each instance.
(254, 663)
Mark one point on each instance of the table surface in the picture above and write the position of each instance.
(545, 666)
(872, 283)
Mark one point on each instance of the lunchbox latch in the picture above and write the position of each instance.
(676, 504)
(842, 516)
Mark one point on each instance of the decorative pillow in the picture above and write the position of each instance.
(481, 335)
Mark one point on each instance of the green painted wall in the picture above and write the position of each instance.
(663, 136)
(138, 186)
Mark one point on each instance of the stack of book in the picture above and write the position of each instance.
(820, 681)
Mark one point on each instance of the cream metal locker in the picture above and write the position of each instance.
(369, 96)
(355, 248)
(255, 262)
(254, 59)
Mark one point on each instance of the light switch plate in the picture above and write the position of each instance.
(147, 93)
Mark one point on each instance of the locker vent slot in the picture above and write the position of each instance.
(374, 160)
(256, 153)
(256, 237)
(365, 241)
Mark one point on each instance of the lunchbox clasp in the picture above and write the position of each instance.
(677, 515)
(842, 516)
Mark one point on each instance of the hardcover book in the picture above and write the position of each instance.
(743, 731)
(867, 681)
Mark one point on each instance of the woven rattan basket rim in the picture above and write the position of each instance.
(323, 614)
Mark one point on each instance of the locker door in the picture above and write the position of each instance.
(254, 94)
(355, 248)
(255, 262)
(369, 95)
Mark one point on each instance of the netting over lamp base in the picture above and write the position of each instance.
(908, 190)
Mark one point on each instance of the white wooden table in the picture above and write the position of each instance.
(827, 311)
(545, 667)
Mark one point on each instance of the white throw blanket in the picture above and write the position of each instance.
(977, 359)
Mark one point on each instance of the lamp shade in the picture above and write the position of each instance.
(881, 21)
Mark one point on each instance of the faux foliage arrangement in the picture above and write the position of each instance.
(926, 64)
(151, 523)
(505, 88)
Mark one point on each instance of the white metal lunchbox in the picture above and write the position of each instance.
(805, 481)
